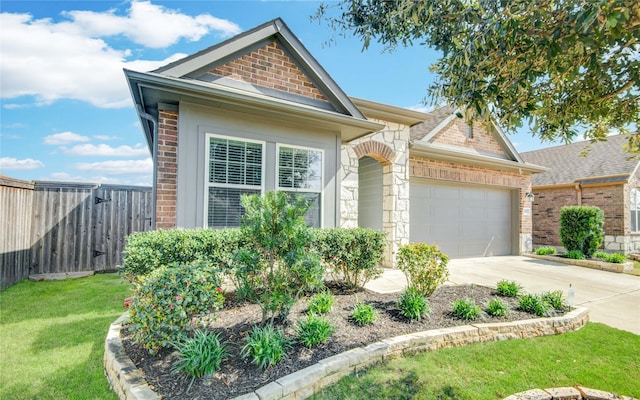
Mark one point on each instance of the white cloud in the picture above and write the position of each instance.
(13, 164)
(108, 151)
(54, 60)
(421, 108)
(124, 167)
(64, 138)
(105, 137)
(142, 22)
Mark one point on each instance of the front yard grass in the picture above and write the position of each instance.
(636, 269)
(53, 337)
(596, 356)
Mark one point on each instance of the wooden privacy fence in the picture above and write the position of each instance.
(57, 227)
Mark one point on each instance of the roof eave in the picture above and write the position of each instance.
(445, 154)
(388, 112)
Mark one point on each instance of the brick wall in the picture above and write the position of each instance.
(270, 67)
(167, 169)
(482, 141)
(548, 202)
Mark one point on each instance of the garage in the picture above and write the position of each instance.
(464, 220)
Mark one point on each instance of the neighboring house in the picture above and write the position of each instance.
(258, 112)
(600, 174)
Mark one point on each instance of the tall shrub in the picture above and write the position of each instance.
(352, 255)
(279, 265)
(581, 229)
(424, 266)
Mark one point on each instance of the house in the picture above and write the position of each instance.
(600, 174)
(258, 112)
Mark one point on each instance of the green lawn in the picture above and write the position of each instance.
(53, 337)
(595, 356)
(636, 269)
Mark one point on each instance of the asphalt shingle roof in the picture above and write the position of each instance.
(567, 165)
(436, 116)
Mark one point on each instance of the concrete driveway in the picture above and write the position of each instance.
(612, 298)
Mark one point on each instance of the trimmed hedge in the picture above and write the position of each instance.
(352, 255)
(581, 229)
(148, 251)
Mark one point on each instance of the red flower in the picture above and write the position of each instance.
(178, 297)
(171, 306)
(219, 290)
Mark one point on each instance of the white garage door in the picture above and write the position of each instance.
(465, 221)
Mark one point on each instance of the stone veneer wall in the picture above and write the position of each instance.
(389, 147)
(129, 383)
(459, 173)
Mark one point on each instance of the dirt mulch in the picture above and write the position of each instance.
(238, 376)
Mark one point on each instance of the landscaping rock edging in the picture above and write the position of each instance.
(605, 266)
(566, 393)
(129, 383)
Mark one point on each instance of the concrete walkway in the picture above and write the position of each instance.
(612, 298)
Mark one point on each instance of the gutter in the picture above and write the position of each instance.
(154, 156)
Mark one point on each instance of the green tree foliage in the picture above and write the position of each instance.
(279, 265)
(561, 65)
(582, 229)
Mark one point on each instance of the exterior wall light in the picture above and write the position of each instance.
(530, 196)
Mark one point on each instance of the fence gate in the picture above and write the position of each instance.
(83, 227)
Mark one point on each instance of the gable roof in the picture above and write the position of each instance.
(605, 162)
(191, 79)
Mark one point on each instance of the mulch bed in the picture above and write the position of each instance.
(238, 376)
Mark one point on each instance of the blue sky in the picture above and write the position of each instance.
(66, 112)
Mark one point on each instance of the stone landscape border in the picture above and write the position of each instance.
(595, 264)
(566, 393)
(129, 383)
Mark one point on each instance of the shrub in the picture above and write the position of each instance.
(497, 308)
(545, 250)
(413, 305)
(466, 309)
(424, 266)
(581, 228)
(265, 346)
(148, 251)
(313, 330)
(555, 300)
(508, 288)
(279, 265)
(321, 303)
(616, 258)
(601, 255)
(165, 300)
(534, 304)
(200, 355)
(575, 255)
(352, 255)
(364, 314)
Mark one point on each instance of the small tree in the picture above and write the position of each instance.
(581, 229)
(279, 265)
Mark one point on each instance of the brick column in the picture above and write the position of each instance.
(167, 161)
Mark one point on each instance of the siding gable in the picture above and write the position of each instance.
(270, 67)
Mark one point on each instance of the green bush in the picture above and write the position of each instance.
(352, 255)
(575, 255)
(616, 258)
(545, 250)
(279, 265)
(497, 308)
(147, 251)
(581, 228)
(534, 304)
(265, 346)
(413, 305)
(466, 309)
(508, 288)
(313, 330)
(555, 299)
(424, 266)
(321, 303)
(166, 299)
(200, 355)
(364, 314)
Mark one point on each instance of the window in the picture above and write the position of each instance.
(235, 167)
(469, 130)
(635, 210)
(299, 171)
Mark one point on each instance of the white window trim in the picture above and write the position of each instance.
(302, 190)
(207, 184)
(634, 199)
